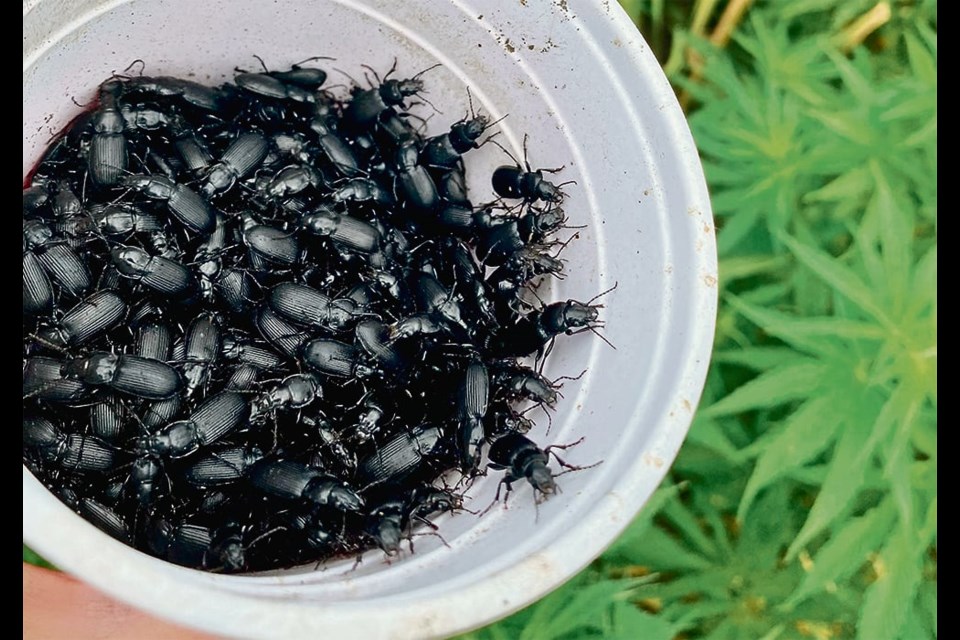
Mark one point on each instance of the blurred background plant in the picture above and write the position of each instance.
(804, 502)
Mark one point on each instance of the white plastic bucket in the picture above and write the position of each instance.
(579, 79)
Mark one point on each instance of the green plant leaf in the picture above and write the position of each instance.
(927, 606)
(690, 528)
(566, 612)
(666, 553)
(887, 601)
(849, 186)
(771, 388)
(928, 533)
(757, 358)
(896, 234)
(708, 433)
(840, 278)
(845, 552)
(900, 412)
(630, 623)
(823, 173)
(922, 62)
(639, 528)
(733, 229)
(32, 557)
(846, 474)
(914, 626)
(735, 268)
(807, 432)
(806, 334)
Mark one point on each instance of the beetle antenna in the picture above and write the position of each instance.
(594, 331)
(311, 59)
(496, 122)
(393, 68)
(601, 294)
(557, 170)
(504, 149)
(537, 296)
(430, 68)
(470, 102)
(143, 66)
(571, 378)
(432, 106)
(375, 74)
(263, 535)
(262, 63)
(565, 243)
(349, 77)
(47, 343)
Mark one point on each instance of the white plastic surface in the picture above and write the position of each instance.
(578, 78)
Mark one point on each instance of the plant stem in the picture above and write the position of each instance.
(858, 30)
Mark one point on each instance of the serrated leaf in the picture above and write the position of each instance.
(565, 612)
(690, 616)
(925, 135)
(806, 334)
(735, 268)
(924, 437)
(922, 63)
(630, 623)
(807, 432)
(812, 475)
(928, 533)
(707, 433)
(921, 106)
(771, 389)
(896, 235)
(850, 185)
(901, 409)
(769, 528)
(637, 531)
(774, 633)
(897, 473)
(811, 297)
(845, 551)
(735, 228)
(846, 126)
(710, 584)
(925, 275)
(913, 626)
(689, 528)
(927, 603)
(503, 630)
(853, 77)
(843, 482)
(661, 550)
(795, 8)
(842, 279)
(767, 294)
(757, 358)
(887, 601)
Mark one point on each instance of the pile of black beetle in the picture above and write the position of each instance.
(261, 324)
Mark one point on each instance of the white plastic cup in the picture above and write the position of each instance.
(579, 79)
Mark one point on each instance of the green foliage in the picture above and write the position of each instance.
(804, 502)
(32, 557)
